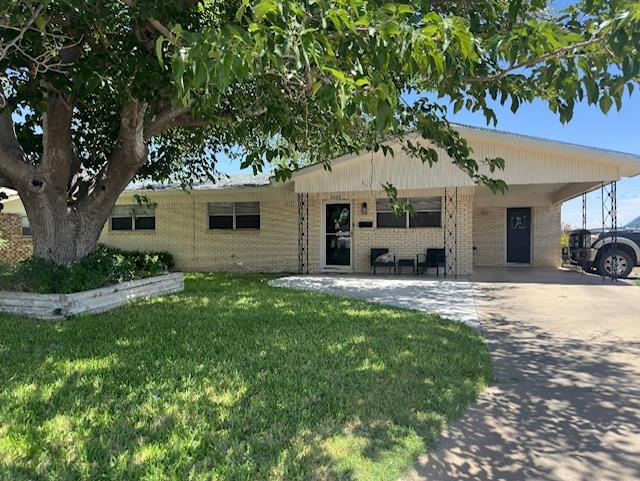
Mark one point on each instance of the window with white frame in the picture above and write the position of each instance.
(234, 215)
(428, 213)
(386, 217)
(133, 217)
(25, 226)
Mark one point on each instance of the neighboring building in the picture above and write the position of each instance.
(323, 220)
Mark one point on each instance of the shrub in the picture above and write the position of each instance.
(105, 266)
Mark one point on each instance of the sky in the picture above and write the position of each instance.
(615, 131)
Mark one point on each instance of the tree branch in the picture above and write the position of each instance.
(4, 51)
(163, 120)
(159, 26)
(182, 117)
(126, 159)
(559, 53)
(60, 160)
(12, 163)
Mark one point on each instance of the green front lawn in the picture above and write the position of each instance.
(232, 380)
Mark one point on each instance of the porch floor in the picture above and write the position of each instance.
(451, 299)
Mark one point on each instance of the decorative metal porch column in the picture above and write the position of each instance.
(584, 211)
(450, 229)
(303, 233)
(610, 220)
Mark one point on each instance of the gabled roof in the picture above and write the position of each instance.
(629, 163)
(532, 138)
(222, 181)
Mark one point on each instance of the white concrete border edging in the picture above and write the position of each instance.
(62, 306)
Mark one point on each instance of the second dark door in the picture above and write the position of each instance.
(519, 235)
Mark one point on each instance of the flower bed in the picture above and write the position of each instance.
(62, 306)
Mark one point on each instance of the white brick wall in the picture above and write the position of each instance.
(547, 226)
(402, 242)
(489, 236)
(182, 228)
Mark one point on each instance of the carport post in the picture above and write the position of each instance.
(451, 231)
(610, 221)
(303, 233)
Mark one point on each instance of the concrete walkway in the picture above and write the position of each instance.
(566, 404)
(424, 294)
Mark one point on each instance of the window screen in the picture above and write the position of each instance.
(133, 217)
(428, 212)
(386, 217)
(221, 215)
(234, 215)
(247, 215)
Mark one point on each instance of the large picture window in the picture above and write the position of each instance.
(234, 215)
(428, 213)
(133, 217)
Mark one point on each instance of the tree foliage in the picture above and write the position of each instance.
(175, 84)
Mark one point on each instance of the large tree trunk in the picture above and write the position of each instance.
(62, 234)
(66, 210)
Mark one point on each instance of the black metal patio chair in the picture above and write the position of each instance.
(434, 258)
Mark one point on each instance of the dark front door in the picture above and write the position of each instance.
(338, 235)
(519, 235)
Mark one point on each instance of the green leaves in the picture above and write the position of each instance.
(289, 82)
(514, 9)
(41, 23)
(339, 75)
(264, 8)
(398, 9)
(383, 116)
(159, 44)
(605, 104)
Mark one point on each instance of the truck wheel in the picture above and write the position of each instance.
(615, 262)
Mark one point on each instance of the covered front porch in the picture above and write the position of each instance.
(471, 226)
(477, 227)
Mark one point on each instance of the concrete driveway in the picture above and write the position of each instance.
(566, 404)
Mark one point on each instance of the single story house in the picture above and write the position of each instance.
(324, 220)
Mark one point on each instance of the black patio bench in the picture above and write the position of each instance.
(375, 254)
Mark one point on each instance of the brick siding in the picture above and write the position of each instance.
(13, 246)
(547, 225)
(489, 236)
(182, 228)
(402, 242)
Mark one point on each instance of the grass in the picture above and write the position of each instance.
(232, 380)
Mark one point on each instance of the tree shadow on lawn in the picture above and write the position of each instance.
(232, 380)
